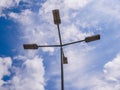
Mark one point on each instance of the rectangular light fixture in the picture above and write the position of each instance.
(56, 16)
(65, 60)
(30, 46)
(92, 38)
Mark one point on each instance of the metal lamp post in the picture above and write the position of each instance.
(57, 21)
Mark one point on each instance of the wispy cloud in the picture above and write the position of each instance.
(29, 76)
(79, 19)
(5, 65)
(5, 4)
(111, 69)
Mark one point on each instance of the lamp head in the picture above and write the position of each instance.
(92, 38)
(56, 16)
(30, 46)
(65, 60)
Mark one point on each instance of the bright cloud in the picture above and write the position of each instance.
(7, 4)
(37, 28)
(5, 65)
(97, 83)
(93, 15)
(110, 79)
(75, 4)
(25, 17)
(30, 76)
(112, 69)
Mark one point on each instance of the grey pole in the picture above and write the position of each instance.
(61, 53)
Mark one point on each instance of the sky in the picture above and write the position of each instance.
(91, 66)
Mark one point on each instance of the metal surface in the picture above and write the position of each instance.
(49, 46)
(56, 17)
(30, 46)
(61, 52)
(73, 42)
(92, 38)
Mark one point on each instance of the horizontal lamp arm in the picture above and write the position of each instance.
(35, 46)
(49, 46)
(73, 42)
(87, 39)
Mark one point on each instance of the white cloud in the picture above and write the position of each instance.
(20, 57)
(30, 76)
(109, 79)
(112, 69)
(72, 33)
(7, 4)
(35, 31)
(25, 17)
(5, 64)
(97, 83)
(75, 4)
(110, 8)
(37, 28)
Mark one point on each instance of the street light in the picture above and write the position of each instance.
(64, 60)
(87, 39)
(57, 21)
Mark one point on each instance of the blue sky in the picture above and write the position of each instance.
(91, 66)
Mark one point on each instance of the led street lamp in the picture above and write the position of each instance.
(30, 46)
(92, 38)
(56, 16)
